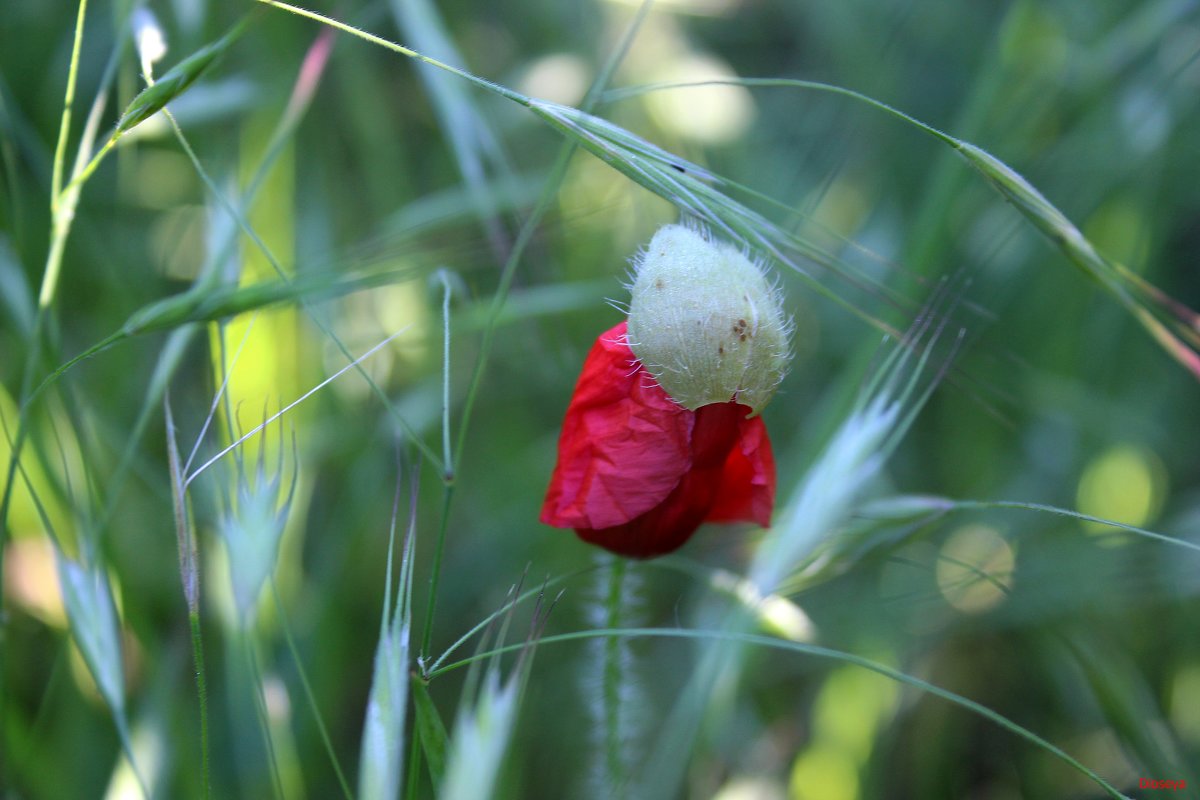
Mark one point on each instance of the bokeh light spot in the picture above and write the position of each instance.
(31, 580)
(1124, 484)
(704, 114)
(974, 568)
(751, 787)
(559, 77)
(824, 773)
(1119, 230)
(852, 705)
(1185, 704)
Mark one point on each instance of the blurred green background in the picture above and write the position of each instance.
(1083, 634)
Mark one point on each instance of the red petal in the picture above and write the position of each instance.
(637, 474)
(747, 489)
(624, 446)
(672, 522)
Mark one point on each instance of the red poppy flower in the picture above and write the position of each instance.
(638, 473)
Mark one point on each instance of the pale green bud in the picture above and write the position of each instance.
(705, 321)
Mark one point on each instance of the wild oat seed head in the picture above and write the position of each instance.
(706, 322)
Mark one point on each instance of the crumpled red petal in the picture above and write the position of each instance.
(637, 474)
(747, 489)
(624, 444)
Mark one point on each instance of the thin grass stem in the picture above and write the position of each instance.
(62, 216)
(240, 220)
(260, 708)
(549, 192)
(64, 128)
(964, 505)
(503, 91)
(1032, 205)
(202, 698)
(524, 236)
(436, 571)
(59, 229)
(308, 692)
(255, 430)
(486, 621)
(93, 163)
(447, 456)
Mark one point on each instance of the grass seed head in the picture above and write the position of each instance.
(88, 600)
(252, 529)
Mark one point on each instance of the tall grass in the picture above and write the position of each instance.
(987, 474)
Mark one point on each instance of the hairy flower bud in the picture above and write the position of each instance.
(705, 321)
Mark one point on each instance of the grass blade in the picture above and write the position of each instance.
(431, 729)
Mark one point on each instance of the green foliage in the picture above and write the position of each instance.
(988, 494)
(431, 729)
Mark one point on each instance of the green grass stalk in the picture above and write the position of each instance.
(524, 236)
(308, 692)
(435, 570)
(202, 699)
(260, 707)
(244, 225)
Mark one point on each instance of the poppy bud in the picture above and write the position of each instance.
(705, 321)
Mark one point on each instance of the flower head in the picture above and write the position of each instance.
(637, 473)
(662, 433)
